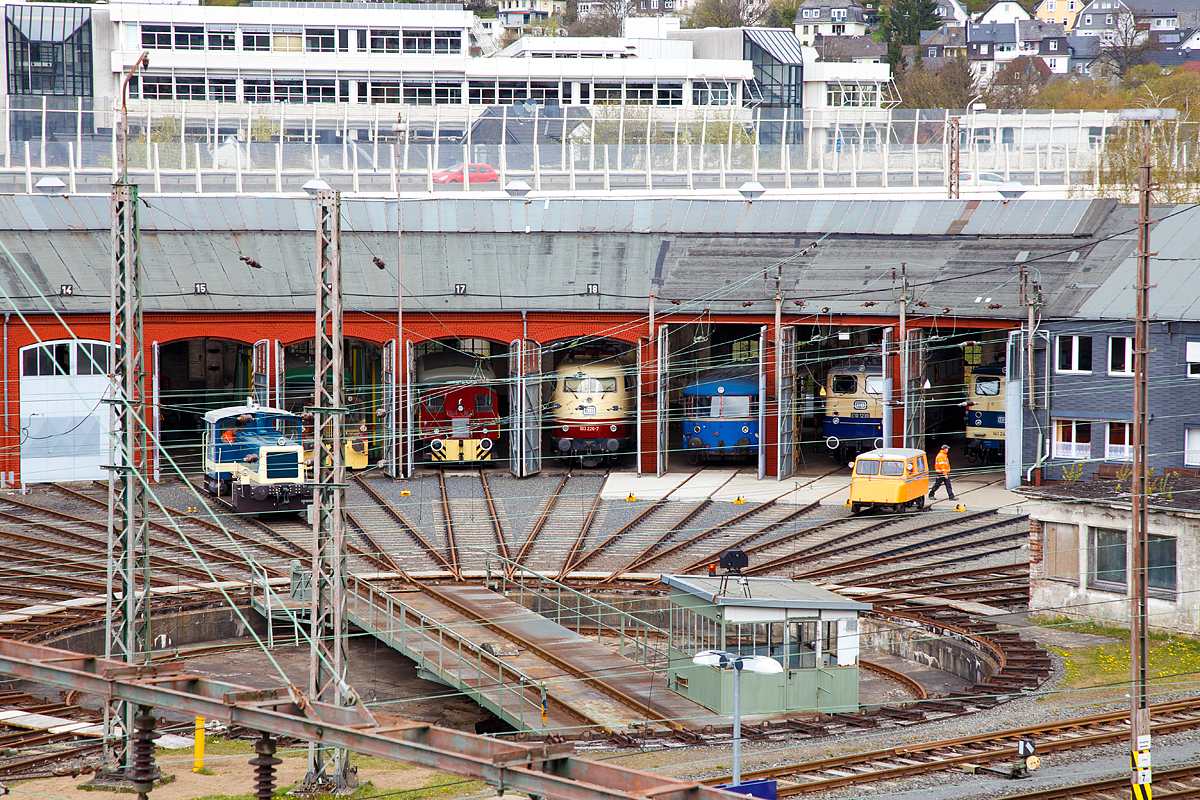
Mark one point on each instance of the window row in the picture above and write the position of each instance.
(1074, 354)
(64, 358)
(852, 95)
(295, 39)
(1106, 556)
(419, 91)
(1073, 440)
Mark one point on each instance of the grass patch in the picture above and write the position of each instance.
(364, 790)
(203, 771)
(440, 784)
(1174, 660)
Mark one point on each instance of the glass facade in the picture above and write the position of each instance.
(49, 50)
(780, 83)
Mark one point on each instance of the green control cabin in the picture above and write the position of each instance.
(812, 632)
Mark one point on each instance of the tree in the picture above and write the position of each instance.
(604, 18)
(1126, 45)
(907, 18)
(550, 26)
(727, 14)
(1177, 177)
(1018, 84)
(895, 55)
(952, 86)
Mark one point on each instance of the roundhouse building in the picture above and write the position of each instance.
(685, 284)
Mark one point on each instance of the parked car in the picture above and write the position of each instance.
(480, 173)
(985, 178)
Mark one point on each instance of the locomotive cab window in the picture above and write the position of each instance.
(589, 385)
(483, 402)
(730, 407)
(845, 384)
(436, 403)
(987, 387)
(874, 384)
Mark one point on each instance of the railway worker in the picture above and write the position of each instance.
(228, 436)
(942, 465)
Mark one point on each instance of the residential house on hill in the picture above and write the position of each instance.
(829, 18)
(945, 42)
(1063, 12)
(1003, 12)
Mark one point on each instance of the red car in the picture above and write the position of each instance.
(480, 173)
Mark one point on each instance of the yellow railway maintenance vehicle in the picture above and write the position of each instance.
(896, 477)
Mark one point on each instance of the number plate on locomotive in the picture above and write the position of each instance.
(859, 415)
(588, 411)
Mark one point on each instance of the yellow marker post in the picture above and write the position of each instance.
(198, 761)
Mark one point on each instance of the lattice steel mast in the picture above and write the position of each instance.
(128, 605)
(327, 767)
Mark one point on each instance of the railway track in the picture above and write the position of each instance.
(1176, 783)
(931, 757)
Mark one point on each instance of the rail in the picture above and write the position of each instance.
(506, 691)
(577, 611)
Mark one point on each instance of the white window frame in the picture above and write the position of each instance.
(1087, 19)
(1191, 454)
(1052, 44)
(1072, 449)
(1117, 342)
(1118, 452)
(1191, 355)
(1073, 369)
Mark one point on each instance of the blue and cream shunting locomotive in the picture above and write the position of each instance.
(253, 455)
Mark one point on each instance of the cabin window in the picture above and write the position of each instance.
(845, 384)
(436, 403)
(483, 402)
(987, 387)
(891, 468)
(866, 466)
(874, 384)
(589, 385)
(730, 407)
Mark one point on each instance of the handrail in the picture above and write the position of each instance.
(646, 637)
(507, 688)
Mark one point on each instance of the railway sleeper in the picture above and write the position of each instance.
(899, 712)
(810, 728)
(855, 720)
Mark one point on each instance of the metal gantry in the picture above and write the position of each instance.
(128, 604)
(327, 678)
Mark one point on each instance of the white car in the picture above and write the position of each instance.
(984, 178)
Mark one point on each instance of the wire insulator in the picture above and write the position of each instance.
(264, 767)
(142, 772)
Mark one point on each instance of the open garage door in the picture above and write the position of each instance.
(785, 394)
(156, 443)
(406, 421)
(525, 407)
(912, 365)
(389, 412)
(661, 412)
(763, 347)
(261, 386)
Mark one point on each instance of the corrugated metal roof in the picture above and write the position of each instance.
(672, 215)
(1174, 274)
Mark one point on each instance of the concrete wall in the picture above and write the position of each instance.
(1072, 596)
(928, 645)
(174, 630)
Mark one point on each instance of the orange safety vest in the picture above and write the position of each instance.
(942, 463)
(228, 436)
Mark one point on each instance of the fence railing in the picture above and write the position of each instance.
(636, 639)
(179, 146)
(503, 689)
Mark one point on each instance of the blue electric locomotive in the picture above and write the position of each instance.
(720, 414)
(853, 395)
(254, 456)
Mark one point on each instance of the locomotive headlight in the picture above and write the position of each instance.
(695, 429)
(483, 432)
(745, 429)
(612, 428)
(565, 428)
(245, 471)
(362, 428)
(281, 441)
